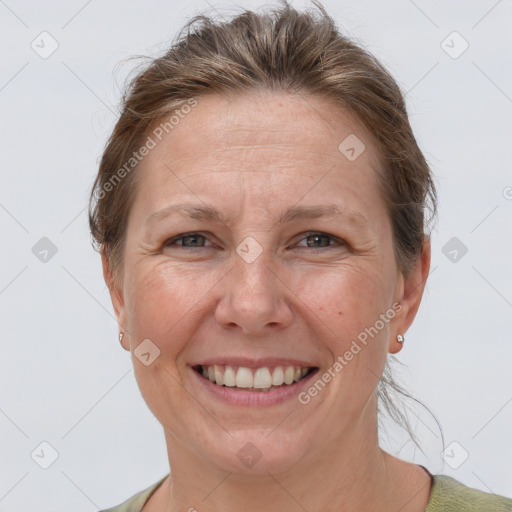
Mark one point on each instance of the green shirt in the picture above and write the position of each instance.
(446, 495)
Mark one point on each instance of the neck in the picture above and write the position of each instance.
(350, 474)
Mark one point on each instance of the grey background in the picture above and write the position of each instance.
(64, 378)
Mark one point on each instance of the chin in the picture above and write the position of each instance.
(254, 451)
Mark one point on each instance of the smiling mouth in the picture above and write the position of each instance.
(253, 379)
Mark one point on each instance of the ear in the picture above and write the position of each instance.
(117, 298)
(411, 293)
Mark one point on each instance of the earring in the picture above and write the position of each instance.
(400, 338)
(121, 334)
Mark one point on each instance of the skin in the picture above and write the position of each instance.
(252, 157)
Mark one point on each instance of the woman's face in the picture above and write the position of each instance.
(259, 240)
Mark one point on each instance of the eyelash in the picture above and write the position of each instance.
(171, 241)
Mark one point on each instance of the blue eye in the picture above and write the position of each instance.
(314, 240)
(318, 240)
(194, 239)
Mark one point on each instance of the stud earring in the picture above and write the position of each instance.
(400, 338)
(121, 334)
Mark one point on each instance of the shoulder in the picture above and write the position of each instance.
(450, 495)
(137, 501)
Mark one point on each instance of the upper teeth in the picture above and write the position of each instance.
(258, 378)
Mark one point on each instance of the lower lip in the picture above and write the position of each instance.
(241, 397)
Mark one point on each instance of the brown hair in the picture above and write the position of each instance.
(280, 50)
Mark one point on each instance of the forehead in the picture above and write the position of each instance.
(265, 122)
(262, 145)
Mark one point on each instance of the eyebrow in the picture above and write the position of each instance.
(208, 213)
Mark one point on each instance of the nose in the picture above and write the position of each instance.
(254, 298)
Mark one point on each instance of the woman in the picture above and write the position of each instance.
(260, 211)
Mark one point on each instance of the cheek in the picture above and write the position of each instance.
(157, 302)
(347, 298)
(358, 311)
(163, 300)
(347, 304)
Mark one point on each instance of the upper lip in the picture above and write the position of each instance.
(254, 363)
